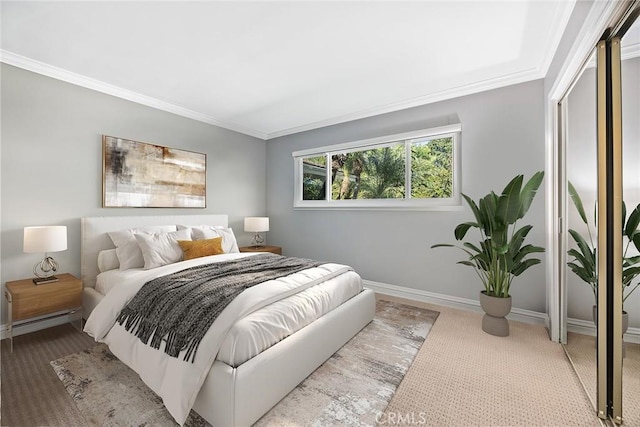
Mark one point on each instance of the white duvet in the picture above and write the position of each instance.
(176, 381)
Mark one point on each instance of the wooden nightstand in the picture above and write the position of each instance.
(30, 303)
(273, 249)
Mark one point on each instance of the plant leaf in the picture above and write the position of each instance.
(577, 202)
(487, 208)
(521, 267)
(442, 245)
(503, 249)
(587, 263)
(529, 192)
(472, 247)
(586, 260)
(474, 208)
(582, 244)
(468, 263)
(499, 237)
(629, 261)
(509, 205)
(636, 241)
(632, 223)
(629, 274)
(518, 238)
(461, 230)
(484, 257)
(526, 250)
(581, 273)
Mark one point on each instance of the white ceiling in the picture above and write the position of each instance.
(273, 68)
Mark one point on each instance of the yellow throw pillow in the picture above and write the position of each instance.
(199, 248)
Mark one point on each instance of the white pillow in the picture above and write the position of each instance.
(200, 232)
(159, 249)
(108, 260)
(127, 249)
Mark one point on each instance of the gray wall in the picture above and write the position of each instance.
(582, 171)
(52, 171)
(502, 136)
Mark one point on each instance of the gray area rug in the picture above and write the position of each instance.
(351, 388)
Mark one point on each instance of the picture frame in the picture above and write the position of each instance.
(142, 175)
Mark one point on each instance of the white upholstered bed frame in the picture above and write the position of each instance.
(239, 396)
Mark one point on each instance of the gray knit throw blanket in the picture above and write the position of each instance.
(179, 308)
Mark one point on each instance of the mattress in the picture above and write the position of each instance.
(266, 326)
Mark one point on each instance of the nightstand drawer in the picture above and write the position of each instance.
(29, 300)
(47, 301)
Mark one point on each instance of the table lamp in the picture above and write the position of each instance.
(257, 225)
(45, 239)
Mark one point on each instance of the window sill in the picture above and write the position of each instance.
(443, 208)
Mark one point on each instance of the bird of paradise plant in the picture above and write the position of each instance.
(500, 255)
(584, 262)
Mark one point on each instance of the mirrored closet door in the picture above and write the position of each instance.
(600, 127)
(630, 112)
(581, 187)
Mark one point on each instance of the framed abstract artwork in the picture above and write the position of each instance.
(141, 175)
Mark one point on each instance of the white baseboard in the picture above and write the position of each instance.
(586, 327)
(518, 314)
(527, 316)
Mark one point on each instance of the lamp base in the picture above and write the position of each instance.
(257, 241)
(43, 280)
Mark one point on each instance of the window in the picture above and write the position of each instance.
(412, 170)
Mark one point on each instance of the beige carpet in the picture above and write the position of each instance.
(450, 381)
(351, 388)
(582, 350)
(465, 377)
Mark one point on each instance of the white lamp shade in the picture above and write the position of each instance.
(256, 224)
(45, 239)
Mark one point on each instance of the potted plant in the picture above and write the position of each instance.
(501, 254)
(584, 263)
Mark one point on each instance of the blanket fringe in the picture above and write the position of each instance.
(179, 308)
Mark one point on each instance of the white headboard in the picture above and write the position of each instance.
(94, 236)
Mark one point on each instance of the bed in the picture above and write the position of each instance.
(239, 383)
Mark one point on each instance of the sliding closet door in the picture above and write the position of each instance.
(618, 116)
(609, 391)
(630, 89)
(578, 202)
(613, 140)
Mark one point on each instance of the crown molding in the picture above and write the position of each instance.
(32, 65)
(456, 92)
(558, 28)
(630, 51)
(29, 64)
(533, 73)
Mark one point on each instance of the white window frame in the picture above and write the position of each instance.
(451, 203)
